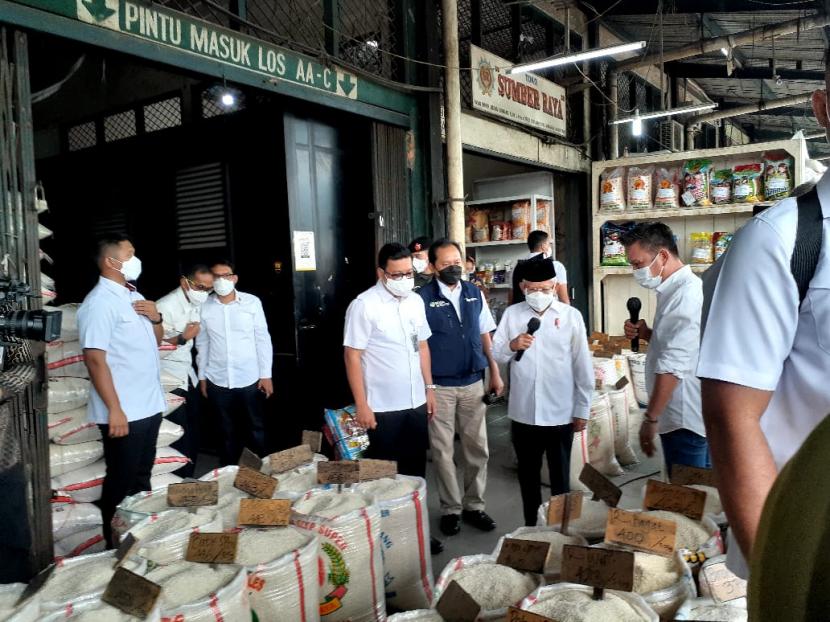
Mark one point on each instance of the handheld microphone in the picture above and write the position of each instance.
(532, 326)
(634, 305)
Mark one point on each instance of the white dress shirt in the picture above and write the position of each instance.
(673, 349)
(486, 324)
(756, 335)
(554, 381)
(234, 347)
(108, 322)
(178, 312)
(389, 331)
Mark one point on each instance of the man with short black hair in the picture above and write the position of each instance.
(234, 360)
(419, 247)
(673, 389)
(539, 245)
(120, 333)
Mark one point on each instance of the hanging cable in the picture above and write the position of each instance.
(46, 93)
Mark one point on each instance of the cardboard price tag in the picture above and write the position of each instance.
(557, 506)
(193, 494)
(524, 555)
(313, 439)
(724, 585)
(641, 531)
(257, 484)
(672, 498)
(290, 458)
(264, 512)
(602, 568)
(35, 584)
(377, 469)
(338, 472)
(131, 593)
(598, 384)
(128, 544)
(602, 487)
(515, 614)
(212, 548)
(621, 383)
(456, 605)
(683, 475)
(250, 459)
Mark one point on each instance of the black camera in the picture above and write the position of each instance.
(36, 325)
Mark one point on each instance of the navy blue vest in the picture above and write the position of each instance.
(455, 347)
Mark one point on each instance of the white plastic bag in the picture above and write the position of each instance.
(83, 485)
(619, 413)
(90, 540)
(28, 611)
(709, 610)
(164, 480)
(163, 538)
(595, 444)
(68, 458)
(173, 402)
(99, 611)
(637, 362)
(168, 460)
(169, 433)
(229, 603)
(72, 427)
(69, 517)
(65, 358)
(67, 394)
(544, 533)
(542, 602)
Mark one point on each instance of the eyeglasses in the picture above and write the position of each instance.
(222, 276)
(400, 275)
(197, 286)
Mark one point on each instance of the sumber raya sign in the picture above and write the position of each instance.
(522, 98)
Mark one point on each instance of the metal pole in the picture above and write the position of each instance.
(452, 111)
(752, 108)
(612, 114)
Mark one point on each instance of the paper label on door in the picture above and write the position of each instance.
(305, 259)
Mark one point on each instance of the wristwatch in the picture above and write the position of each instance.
(160, 320)
(181, 340)
(432, 386)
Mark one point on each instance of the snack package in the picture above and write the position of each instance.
(667, 188)
(700, 247)
(746, 183)
(696, 183)
(778, 178)
(497, 231)
(721, 186)
(342, 431)
(521, 220)
(543, 215)
(639, 187)
(721, 241)
(613, 251)
(612, 198)
(480, 223)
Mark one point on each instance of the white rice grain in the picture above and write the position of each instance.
(185, 582)
(494, 586)
(579, 606)
(260, 546)
(690, 533)
(330, 504)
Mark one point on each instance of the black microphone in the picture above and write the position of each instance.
(532, 326)
(634, 305)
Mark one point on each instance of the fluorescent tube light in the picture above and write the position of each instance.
(578, 57)
(665, 113)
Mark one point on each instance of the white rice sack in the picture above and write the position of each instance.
(169, 382)
(703, 535)
(135, 508)
(710, 611)
(69, 320)
(637, 363)
(722, 573)
(418, 615)
(557, 540)
(67, 394)
(164, 480)
(298, 481)
(69, 517)
(9, 612)
(348, 527)
(90, 540)
(595, 444)
(82, 485)
(229, 496)
(624, 371)
(568, 602)
(591, 523)
(605, 372)
(72, 427)
(98, 611)
(163, 538)
(67, 458)
(173, 403)
(65, 359)
(168, 460)
(404, 526)
(202, 592)
(169, 433)
(283, 575)
(620, 409)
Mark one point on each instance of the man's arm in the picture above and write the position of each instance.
(583, 373)
(264, 351)
(562, 293)
(101, 377)
(496, 383)
(426, 371)
(202, 349)
(354, 374)
(732, 414)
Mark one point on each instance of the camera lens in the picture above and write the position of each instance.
(35, 325)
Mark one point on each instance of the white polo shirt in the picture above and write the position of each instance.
(389, 331)
(108, 322)
(178, 312)
(486, 324)
(554, 380)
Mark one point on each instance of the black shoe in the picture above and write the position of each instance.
(479, 520)
(450, 524)
(436, 547)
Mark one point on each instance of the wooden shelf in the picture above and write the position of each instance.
(526, 197)
(499, 243)
(685, 212)
(604, 271)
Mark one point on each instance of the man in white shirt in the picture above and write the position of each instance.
(674, 391)
(461, 349)
(551, 381)
(539, 244)
(120, 333)
(181, 311)
(234, 360)
(765, 356)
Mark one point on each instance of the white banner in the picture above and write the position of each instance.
(522, 98)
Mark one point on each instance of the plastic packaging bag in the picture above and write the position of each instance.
(29, 611)
(72, 427)
(707, 609)
(545, 533)
(696, 183)
(168, 460)
(746, 183)
(543, 600)
(637, 363)
(98, 610)
(721, 186)
(163, 538)
(590, 525)
(349, 440)
(700, 247)
(778, 178)
(596, 441)
(543, 215)
(613, 251)
(82, 485)
(619, 411)
(612, 197)
(65, 358)
(67, 458)
(639, 187)
(721, 241)
(521, 220)
(667, 188)
(69, 517)
(169, 433)
(84, 542)
(479, 225)
(67, 394)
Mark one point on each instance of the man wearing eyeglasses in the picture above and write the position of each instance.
(234, 361)
(181, 311)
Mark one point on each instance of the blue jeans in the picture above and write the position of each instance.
(684, 447)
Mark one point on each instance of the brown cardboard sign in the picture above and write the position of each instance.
(338, 472)
(193, 494)
(672, 498)
(602, 487)
(131, 593)
(556, 507)
(524, 555)
(621, 383)
(264, 512)
(127, 545)
(313, 439)
(456, 605)
(256, 484)
(514, 614)
(724, 584)
(212, 548)
(250, 459)
(377, 469)
(37, 582)
(598, 384)
(641, 532)
(602, 568)
(683, 475)
(290, 458)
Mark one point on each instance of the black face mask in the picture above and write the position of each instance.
(450, 275)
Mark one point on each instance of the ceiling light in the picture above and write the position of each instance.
(578, 57)
(637, 126)
(228, 99)
(666, 113)
(724, 51)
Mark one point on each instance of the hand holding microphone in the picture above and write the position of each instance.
(525, 340)
(634, 305)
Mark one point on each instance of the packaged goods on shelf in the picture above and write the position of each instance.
(721, 186)
(778, 178)
(720, 241)
(543, 215)
(667, 184)
(521, 220)
(700, 247)
(613, 251)
(612, 194)
(746, 183)
(696, 183)
(639, 187)
(479, 225)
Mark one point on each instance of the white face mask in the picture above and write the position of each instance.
(197, 297)
(646, 279)
(223, 287)
(400, 289)
(419, 265)
(539, 301)
(131, 269)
